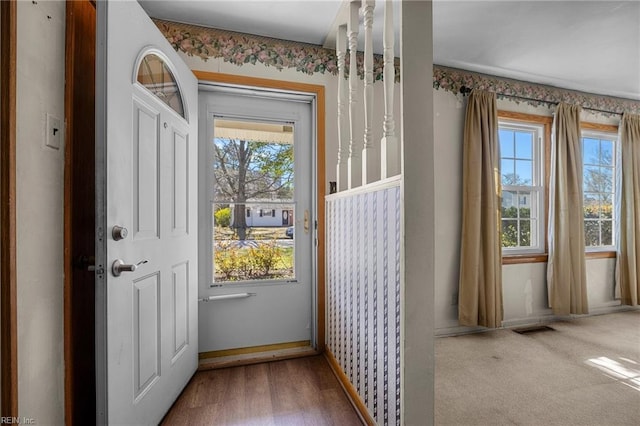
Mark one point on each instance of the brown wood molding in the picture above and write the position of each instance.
(521, 116)
(8, 278)
(349, 389)
(543, 258)
(253, 349)
(601, 255)
(79, 211)
(70, 49)
(319, 91)
(526, 258)
(607, 128)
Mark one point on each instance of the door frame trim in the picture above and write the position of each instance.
(319, 92)
(8, 256)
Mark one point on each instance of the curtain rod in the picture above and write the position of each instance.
(464, 90)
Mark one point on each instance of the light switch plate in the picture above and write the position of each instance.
(54, 132)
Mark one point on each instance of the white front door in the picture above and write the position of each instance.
(146, 216)
(257, 220)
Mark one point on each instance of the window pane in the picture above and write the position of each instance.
(509, 233)
(506, 143)
(507, 169)
(591, 151)
(593, 180)
(606, 232)
(253, 167)
(525, 233)
(248, 170)
(156, 76)
(524, 204)
(265, 249)
(591, 233)
(591, 206)
(509, 204)
(604, 211)
(606, 153)
(524, 145)
(524, 172)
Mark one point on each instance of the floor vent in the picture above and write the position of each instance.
(533, 329)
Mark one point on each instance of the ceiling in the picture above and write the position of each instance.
(592, 46)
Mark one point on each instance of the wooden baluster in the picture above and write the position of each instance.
(343, 123)
(389, 145)
(354, 164)
(367, 12)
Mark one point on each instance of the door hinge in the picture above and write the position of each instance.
(315, 224)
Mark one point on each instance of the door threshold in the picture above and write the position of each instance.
(255, 358)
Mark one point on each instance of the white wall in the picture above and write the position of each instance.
(40, 80)
(524, 285)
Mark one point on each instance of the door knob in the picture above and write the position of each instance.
(119, 266)
(119, 233)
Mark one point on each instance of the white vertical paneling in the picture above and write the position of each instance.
(146, 188)
(343, 118)
(367, 12)
(390, 164)
(363, 241)
(354, 164)
(180, 190)
(146, 333)
(180, 281)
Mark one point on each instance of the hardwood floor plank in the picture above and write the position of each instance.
(295, 392)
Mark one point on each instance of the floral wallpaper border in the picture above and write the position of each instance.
(452, 80)
(240, 49)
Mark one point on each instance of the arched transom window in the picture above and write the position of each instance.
(155, 75)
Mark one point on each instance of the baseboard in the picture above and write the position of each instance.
(458, 330)
(531, 321)
(609, 308)
(255, 358)
(351, 392)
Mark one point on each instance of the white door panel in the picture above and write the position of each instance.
(146, 174)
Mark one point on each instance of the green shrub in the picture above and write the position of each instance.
(222, 217)
(266, 257)
(226, 259)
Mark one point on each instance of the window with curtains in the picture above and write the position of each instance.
(522, 178)
(599, 171)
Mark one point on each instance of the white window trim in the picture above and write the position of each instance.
(595, 134)
(537, 189)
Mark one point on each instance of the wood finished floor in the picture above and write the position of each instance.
(300, 391)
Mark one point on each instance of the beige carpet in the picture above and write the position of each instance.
(585, 372)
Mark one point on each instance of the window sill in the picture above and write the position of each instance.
(544, 257)
(524, 258)
(601, 255)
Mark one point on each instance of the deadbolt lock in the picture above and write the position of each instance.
(119, 233)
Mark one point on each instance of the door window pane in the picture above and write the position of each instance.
(254, 201)
(154, 74)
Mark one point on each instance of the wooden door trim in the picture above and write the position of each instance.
(319, 92)
(79, 100)
(70, 52)
(8, 264)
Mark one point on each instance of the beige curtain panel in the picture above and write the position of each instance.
(480, 286)
(628, 267)
(566, 275)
